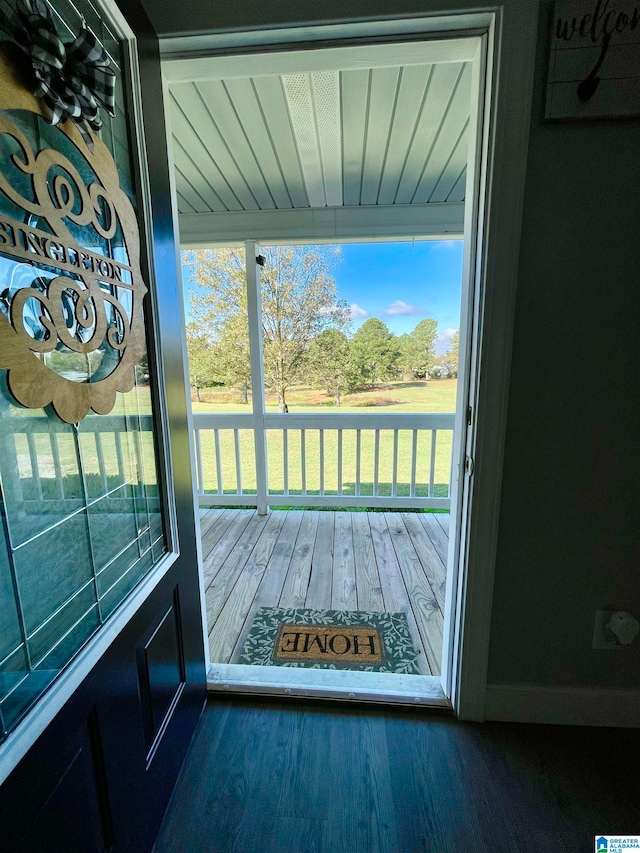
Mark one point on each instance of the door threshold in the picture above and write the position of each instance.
(342, 685)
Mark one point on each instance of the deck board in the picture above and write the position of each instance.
(272, 580)
(368, 584)
(318, 559)
(225, 629)
(396, 597)
(223, 547)
(443, 519)
(212, 527)
(321, 580)
(294, 592)
(434, 568)
(343, 593)
(436, 534)
(423, 601)
(223, 583)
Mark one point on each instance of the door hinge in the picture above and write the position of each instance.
(468, 465)
(469, 414)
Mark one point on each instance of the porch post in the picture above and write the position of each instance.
(254, 312)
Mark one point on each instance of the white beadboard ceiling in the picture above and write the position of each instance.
(322, 137)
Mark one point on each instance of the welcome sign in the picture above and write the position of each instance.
(594, 65)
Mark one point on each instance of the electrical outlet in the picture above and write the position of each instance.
(601, 639)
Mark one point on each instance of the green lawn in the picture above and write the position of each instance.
(434, 396)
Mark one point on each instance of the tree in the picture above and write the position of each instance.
(404, 359)
(374, 354)
(420, 349)
(328, 360)
(446, 365)
(453, 353)
(298, 303)
(232, 354)
(217, 308)
(202, 365)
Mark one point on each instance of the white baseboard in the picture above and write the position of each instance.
(571, 706)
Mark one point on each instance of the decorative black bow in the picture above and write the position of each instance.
(72, 78)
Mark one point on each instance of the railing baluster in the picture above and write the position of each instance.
(285, 459)
(358, 456)
(414, 455)
(55, 453)
(101, 466)
(432, 466)
(135, 435)
(199, 473)
(339, 461)
(303, 461)
(394, 476)
(216, 437)
(121, 472)
(33, 456)
(236, 442)
(322, 462)
(376, 462)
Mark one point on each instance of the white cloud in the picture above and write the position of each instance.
(447, 334)
(403, 309)
(357, 312)
(443, 340)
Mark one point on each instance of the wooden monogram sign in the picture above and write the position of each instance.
(71, 290)
(594, 67)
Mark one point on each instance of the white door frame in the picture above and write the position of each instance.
(503, 79)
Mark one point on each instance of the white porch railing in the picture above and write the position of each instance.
(338, 459)
(42, 457)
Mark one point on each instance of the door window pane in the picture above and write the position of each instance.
(80, 509)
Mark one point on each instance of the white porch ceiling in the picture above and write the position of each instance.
(386, 135)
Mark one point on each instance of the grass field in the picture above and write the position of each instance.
(433, 396)
(405, 397)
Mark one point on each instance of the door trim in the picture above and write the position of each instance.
(509, 30)
(507, 112)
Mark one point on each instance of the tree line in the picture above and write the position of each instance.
(307, 332)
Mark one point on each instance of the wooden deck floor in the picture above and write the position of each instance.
(372, 561)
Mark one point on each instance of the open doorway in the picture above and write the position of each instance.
(354, 445)
(371, 141)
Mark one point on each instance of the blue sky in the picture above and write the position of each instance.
(401, 283)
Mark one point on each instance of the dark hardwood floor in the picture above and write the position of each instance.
(268, 777)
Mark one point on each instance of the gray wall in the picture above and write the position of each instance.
(569, 540)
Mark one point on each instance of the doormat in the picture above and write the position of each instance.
(330, 639)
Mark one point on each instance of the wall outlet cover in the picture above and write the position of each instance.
(601, 638)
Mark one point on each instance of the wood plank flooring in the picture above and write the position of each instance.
(371, 561)
(269, 777)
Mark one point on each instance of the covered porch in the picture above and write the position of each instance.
(372, 561)
(363, 143)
